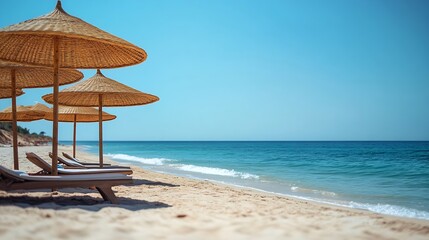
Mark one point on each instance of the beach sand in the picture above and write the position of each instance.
(161, 206)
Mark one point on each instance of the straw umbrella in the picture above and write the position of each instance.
(41, 108)
(78, 114)
(17, 76)
(22, 114)
(101, 91)
(7, 93)
(60, 40)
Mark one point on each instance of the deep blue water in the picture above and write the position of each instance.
(385, 177)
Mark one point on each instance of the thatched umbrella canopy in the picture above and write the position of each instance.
(20, 114)
(7, 93)
(23, 114)
(60, 40)
(101, 91)
(41, 108)
(17, 76)
(78, 114)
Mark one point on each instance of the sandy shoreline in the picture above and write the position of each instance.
(162, 206)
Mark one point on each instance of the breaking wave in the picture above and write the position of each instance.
(183, 167)
(391, 210)
(151, 161)
(217, 171)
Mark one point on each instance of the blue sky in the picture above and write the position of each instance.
(259, 70)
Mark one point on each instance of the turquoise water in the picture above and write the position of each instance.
(384, 177)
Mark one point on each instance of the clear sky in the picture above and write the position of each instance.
(259, 70)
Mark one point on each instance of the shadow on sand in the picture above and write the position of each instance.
(57, 201)
(151, 183)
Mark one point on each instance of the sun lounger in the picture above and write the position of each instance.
(83, 163)
(72, 164)
(47, 168)
(18, 180)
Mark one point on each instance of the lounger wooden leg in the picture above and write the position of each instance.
(107, 194)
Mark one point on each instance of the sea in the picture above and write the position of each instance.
(384, 177)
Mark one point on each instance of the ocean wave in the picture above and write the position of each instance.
(85, 147)
(387, 209)
(217, 171)
(150, 161)
(317, 192)
(391, 210)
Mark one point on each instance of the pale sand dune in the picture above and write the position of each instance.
(161, 206)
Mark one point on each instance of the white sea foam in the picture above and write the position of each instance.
(325, 193)
(151, 161)
(217, 171)
(378, 208)
(188, 168)
(317, 192)
(391, 210)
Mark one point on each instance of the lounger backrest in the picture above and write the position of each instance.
(10, 174)
(67, 162)
(70, 157)
(38, 161)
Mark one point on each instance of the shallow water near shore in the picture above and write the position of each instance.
(385, 177)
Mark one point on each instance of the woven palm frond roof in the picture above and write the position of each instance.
(40, 108)
(80, 114)
(33, 77)
(81, 45)
(7, 92)
(23, 113)
(87, 93)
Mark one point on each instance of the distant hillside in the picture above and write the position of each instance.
(25, 138)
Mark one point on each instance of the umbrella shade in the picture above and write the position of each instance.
(60, 40)
(7, 93)
(34, 77)
(86, 93)
(78, 114)
(81, 45)
(101, 91)
(23, 113)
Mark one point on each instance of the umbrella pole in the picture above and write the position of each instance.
(14, 125)
(74, 136)
(55, 110)
(100, 128)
